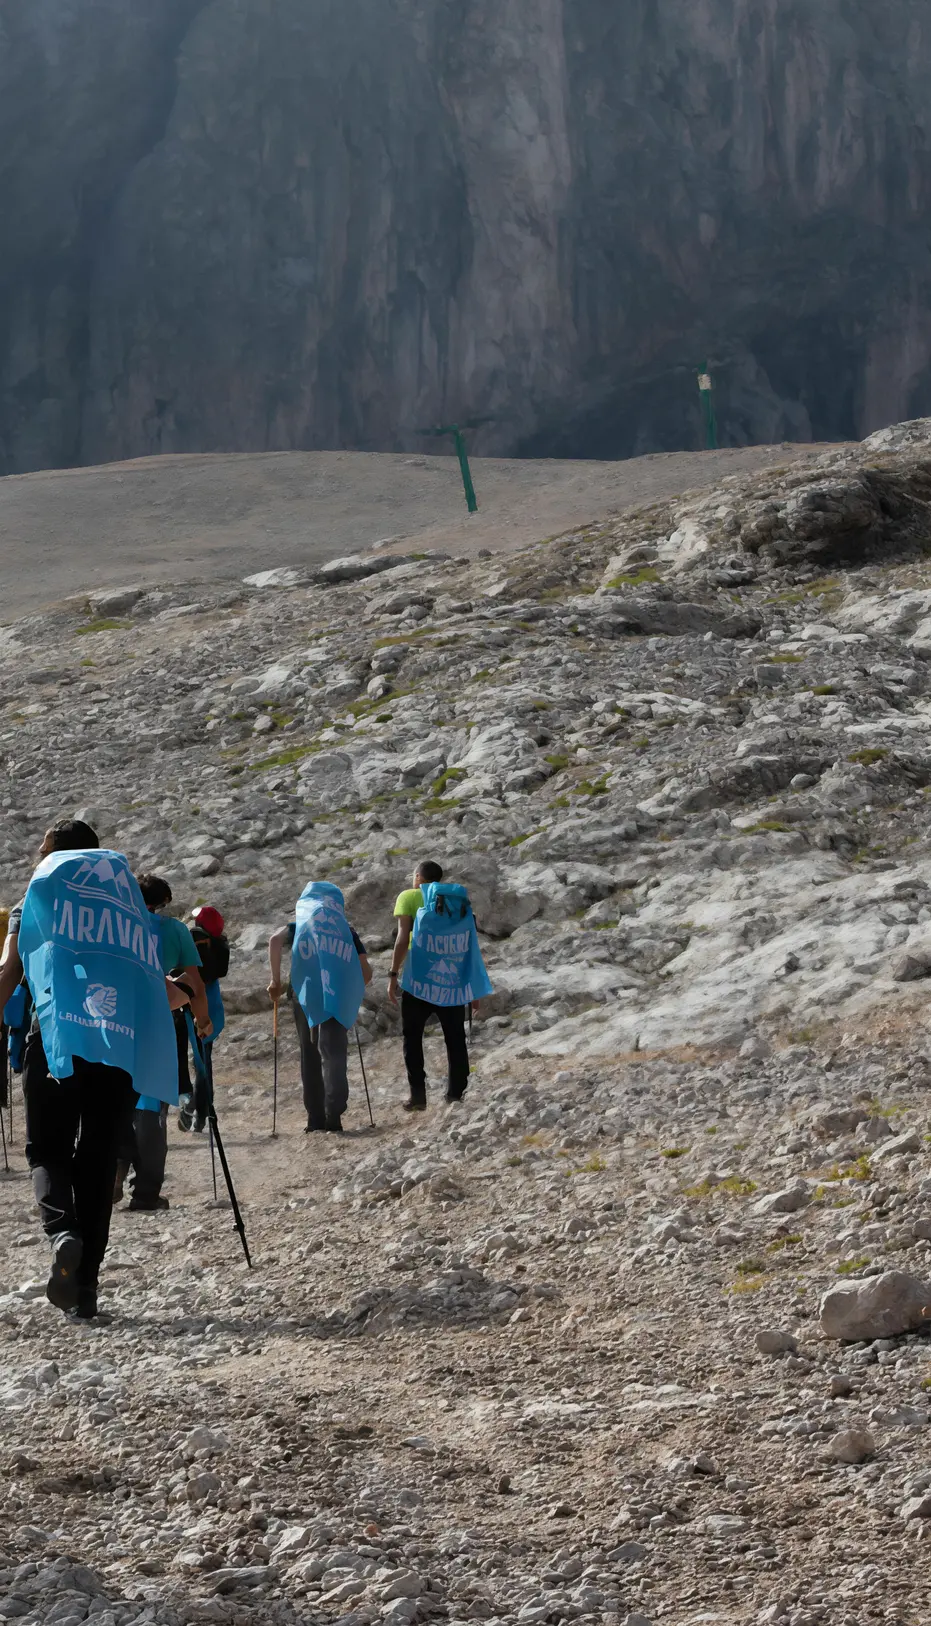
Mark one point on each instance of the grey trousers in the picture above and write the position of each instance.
(324, 1061)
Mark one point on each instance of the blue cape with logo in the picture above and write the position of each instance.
(326, 973)
(90, 951)
(444, 965)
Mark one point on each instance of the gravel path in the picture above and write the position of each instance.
(184, 518)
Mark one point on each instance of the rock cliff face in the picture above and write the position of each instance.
(250, 224)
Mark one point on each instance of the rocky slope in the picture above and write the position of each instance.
(639, 1333)
(246, 226)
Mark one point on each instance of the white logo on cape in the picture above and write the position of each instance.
(443, 972)
(100, 1001)
(101, 871)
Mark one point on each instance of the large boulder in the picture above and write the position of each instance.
(880, 1307)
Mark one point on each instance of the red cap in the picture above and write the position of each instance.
(209, 918)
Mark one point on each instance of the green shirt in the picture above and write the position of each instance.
(178, 946)
(409, 902)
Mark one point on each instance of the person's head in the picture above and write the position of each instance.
(427, 872)
(68, 835)
(156, 893)
(208, 919)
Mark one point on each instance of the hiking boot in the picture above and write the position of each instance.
(199, 1125)
(454, 1100)
(334, 1126)
(62, 1286)
(415, 1106)
(185, 1114)
(314, 1129)
(139, 1205)
(86, 1307)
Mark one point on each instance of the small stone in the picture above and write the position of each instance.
(755, 1048)
(899, 1145)
(841, 1386)
(400, 1609)
(406, 1584)
(878, 1307)
(788, 1201)
(853, 1445)
(911, 968)
(504, 1485)
(206, 1441)
(628, 1553)
(918, 1507)
(769, 1341)
(561, 1510)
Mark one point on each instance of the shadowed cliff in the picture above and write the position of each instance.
(267, 224)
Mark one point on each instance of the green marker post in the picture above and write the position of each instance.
(463, 456)
(706, 388)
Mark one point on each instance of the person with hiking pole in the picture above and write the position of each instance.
(210, 941)
(102, 1031)
(437, 969)
(329, 974)
(146, 1149)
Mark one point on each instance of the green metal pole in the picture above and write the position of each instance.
(707, 400)
(463, 457)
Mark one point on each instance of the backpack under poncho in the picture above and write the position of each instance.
(444, 965)
(326, 972)
(91, 956)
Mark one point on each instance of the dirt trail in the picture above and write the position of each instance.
(183, 518)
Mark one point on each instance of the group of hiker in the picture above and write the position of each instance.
(106, 999)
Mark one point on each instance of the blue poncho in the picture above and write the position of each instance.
(326, 973)
(444, 965)
(90, 952)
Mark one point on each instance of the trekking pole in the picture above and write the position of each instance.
(6, 1161)
(203, 1083)
(213, 1161)
(215, 1128)
(275, 1071)
(365, 1081)
(237, 1216)
(208, 1073)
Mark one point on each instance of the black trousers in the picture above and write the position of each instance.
(181, 1041)
(324, 1068)
(149, 1151)
(203, 1084)
(415, 1014)
(74, 1129)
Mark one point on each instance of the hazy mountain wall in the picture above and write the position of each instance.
(248, 224)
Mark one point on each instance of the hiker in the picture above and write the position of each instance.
(211, 944)
(329, 974)
(146, 1148)
(82, 939)
(438, 966)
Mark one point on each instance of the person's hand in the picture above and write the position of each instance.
(205, 1032)
(274, 992)
(393, 988)
(475, 1006)
(177, 997)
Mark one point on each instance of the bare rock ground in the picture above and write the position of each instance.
(182, 518)
(638, 1333)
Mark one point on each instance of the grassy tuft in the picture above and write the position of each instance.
(103, 624)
